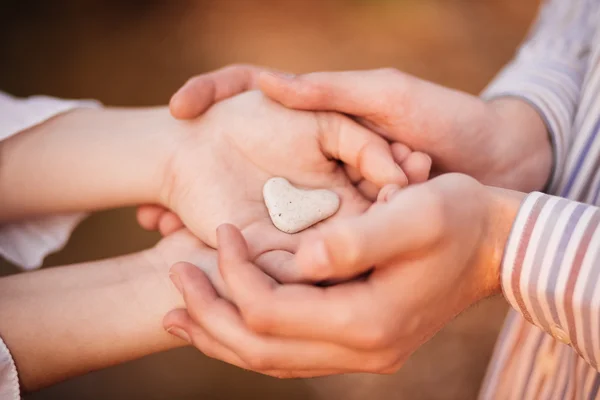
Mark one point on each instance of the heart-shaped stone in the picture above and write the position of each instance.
(292, 210)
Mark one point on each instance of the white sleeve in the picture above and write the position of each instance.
(9, 380)
(26, 243)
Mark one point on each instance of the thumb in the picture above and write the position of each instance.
(202, 91)
(371, 155)
(359, 93)
(344, 249)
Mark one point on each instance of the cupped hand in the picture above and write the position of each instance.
(435, 247)
(225, 157)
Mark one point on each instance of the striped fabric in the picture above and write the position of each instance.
(550, 345)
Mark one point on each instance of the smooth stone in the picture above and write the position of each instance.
(292, 210)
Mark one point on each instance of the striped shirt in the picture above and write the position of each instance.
(550, 345)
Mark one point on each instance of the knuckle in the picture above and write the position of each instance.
(385, 364)
(346, 319)
(390, 370)
(435, 208)
(257, 317)
(195, 80)
(313, 92)
(352, 243)
(374, 336)
(258, 361)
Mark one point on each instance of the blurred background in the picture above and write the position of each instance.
(135, 53)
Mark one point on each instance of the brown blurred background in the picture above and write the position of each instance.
(138, 53)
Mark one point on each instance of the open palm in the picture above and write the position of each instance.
(225, 157)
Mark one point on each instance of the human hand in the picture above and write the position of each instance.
(224, 158)
(190, 101)
(502, 143)
(202, 91)
(435, 247)
(183, 246)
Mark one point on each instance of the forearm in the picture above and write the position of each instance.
(66, 321)
(549, 69)
(521, 145)
(85, 160)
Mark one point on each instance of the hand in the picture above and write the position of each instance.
(435, 248)
(503, 143)
(202, 91)
(191, 100)
(224, 158)
(183, 246)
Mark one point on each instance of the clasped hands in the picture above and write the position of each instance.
(432, 248)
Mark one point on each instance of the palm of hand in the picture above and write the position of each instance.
(245, 141)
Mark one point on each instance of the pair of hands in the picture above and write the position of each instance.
(222, 160)
(436, 247)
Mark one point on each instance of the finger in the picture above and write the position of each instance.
(346, 248)
(260, 353)
(148, 216)
(262, 236)
(340, 314)
(387, 193)
(417, 167)
(202, 91)
(345, 140)
(368, 189)
(353, 174)
(400, 152)
(208, 280)
(180, 324)
(234, 255)
(169, 223)
(359, 93)
(279, 265)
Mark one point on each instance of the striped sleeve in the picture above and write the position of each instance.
(549, 69)
(551, 268)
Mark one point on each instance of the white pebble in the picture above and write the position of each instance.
(292, 210)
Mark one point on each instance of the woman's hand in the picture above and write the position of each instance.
(223, 159)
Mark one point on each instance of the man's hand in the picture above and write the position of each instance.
(435, 247)
(202, 91)
(503, 143)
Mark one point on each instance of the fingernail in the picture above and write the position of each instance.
(401, 178)
(175, 279)
(180, 333)
(282, 75)
(387, 193)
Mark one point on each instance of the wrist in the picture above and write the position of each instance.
(521, 151)
(502, 208)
